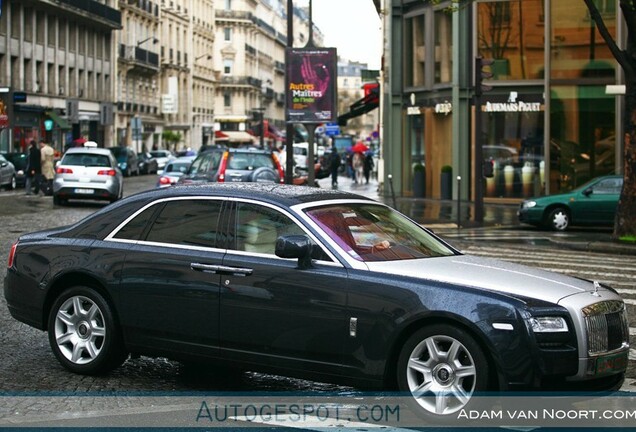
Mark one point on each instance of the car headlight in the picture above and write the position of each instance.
(529, 204)
(548, 324)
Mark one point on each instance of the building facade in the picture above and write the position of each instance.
(547, 122)
(57, 71)
(351, 89)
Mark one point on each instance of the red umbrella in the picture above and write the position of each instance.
(80, 140)
(359, 148)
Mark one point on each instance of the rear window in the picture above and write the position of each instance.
(249, 161)
(88, 160)
(206, 163)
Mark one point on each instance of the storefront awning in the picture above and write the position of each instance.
(368, 103)
(61, 122)
(234, 136)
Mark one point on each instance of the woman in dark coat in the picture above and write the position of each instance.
(33, 169)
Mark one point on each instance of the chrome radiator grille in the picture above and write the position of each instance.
(607, 327)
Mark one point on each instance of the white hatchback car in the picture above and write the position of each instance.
(87, 173)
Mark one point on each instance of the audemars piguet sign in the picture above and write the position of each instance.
(513, 105)
(311, 85)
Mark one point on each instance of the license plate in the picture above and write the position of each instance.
(611, 363)
(84, 191)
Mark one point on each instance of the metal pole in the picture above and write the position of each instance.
(478, 174)
(289, 138)
(262, 126)
(311, 177)
(459, 201)
(390, 177)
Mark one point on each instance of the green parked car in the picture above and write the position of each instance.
(594, 203)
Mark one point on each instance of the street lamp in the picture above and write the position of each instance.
(154, 40)
(209, 57)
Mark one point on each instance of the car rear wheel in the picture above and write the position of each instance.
(59, 201)
(83, 333)
(558, 219)
(441, 367)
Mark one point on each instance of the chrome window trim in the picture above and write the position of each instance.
(111, 237)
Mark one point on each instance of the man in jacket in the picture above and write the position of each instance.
(33, 170)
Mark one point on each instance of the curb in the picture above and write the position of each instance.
(600, 247)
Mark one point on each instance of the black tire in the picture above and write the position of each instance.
(13, 184)
(59, 201)
(455, 351)
(264, 175)
(558, 219)
(83, 332)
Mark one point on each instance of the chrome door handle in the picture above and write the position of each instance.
(221, 269)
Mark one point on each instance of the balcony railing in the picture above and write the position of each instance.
(233, 14)
(95, 8)
(140, 55)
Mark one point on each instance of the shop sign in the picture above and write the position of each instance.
(413, 110)
(443, 108)
(513, 105)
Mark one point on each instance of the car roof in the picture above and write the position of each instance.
(106, 219)
(89, 150)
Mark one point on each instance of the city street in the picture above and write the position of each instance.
(25, 352)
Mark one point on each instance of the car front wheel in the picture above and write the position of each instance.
(441, 367)
(558, 219)
(83, 333)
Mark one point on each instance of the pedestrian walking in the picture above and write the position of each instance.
(47, 161)
(368, 165)
(33, 170)
(334, 166)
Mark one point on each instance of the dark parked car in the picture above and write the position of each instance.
(19, 161)
(7, 174)
(147, 163)
(127, 160)
(594, 203)
(234, 165)
(314, 283)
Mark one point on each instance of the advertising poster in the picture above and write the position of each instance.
(311, 85)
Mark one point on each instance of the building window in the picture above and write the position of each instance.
(227, 99)
(228, 4)
(227, 67)
(443, 47)
(415, 52)
(227, 32)
(513, 37)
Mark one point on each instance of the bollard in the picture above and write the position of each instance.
(390, 176)
(459, 185)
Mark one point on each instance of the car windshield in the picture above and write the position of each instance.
(371, 232)
(80, 159)
(158, 153)
(179, 167)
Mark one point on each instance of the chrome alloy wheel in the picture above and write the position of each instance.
(441, 375)
(80, 330)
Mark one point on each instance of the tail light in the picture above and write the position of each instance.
(109, 172)
(12, 254)
(222, 167)
(62, 170)
(164, 181)
(279, 168)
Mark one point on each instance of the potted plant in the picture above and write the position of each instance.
(447, 182)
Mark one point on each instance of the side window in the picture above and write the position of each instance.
(258, 227)
(187, 222)
(609, 186)
(134, 229)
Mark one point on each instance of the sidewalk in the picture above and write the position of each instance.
(440, 214)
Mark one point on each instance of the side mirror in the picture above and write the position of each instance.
(588, 191)
(295, 246)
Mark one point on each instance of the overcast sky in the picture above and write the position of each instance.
(352, 26)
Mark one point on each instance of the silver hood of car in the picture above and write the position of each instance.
(490, 274)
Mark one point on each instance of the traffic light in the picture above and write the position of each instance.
(481, 74)
(489, 168)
